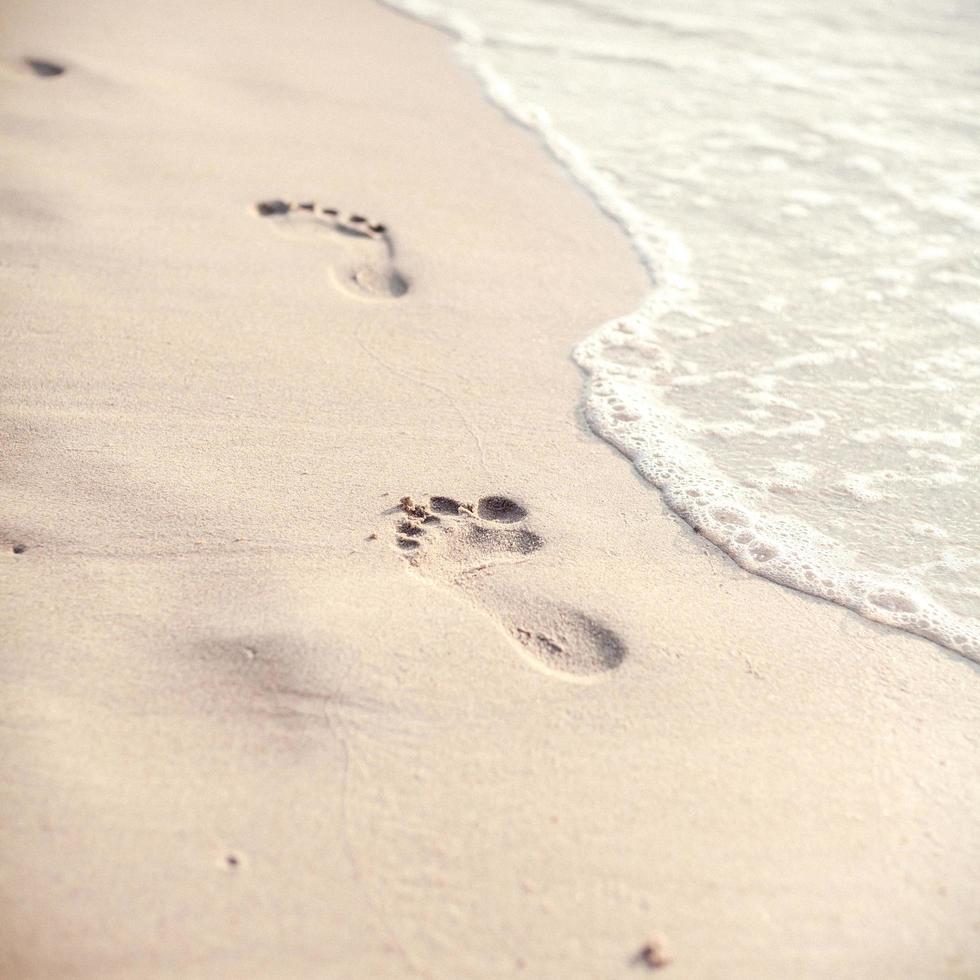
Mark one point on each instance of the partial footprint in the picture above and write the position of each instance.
(459, 544)
(365, 256)
(44, 69)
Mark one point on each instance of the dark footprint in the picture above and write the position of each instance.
(366, 254)
(459, 543)
(44, 69)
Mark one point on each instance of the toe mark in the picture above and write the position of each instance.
(413, 509)
(444, 505)
(265, 208)
(496, 508)
(410, 528)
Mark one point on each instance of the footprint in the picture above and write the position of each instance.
(459, 544)
(365, 253)
(44, 69)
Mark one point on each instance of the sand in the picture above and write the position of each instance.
(248, 731)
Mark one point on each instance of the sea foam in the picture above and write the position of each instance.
(802, 183)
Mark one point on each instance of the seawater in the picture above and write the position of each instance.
(802, 182)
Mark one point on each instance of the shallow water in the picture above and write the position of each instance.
(802, 182)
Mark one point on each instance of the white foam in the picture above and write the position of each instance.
(803, 380)
(968, 313)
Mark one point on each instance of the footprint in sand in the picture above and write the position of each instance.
(459, 544)
(365, 256)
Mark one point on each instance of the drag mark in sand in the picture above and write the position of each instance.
(457, 544)
(364, 264)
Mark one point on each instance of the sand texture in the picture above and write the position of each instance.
(333, 644)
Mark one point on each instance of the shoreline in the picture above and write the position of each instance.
(665, 259)
(211, 658)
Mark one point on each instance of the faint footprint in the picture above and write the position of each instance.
(366, 256)
(44, 69)
(459, 544)
(291, 687)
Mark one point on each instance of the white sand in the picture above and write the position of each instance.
(206, 657)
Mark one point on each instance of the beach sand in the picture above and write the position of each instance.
(260, 722)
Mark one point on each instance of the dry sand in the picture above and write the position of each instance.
(245, 733)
